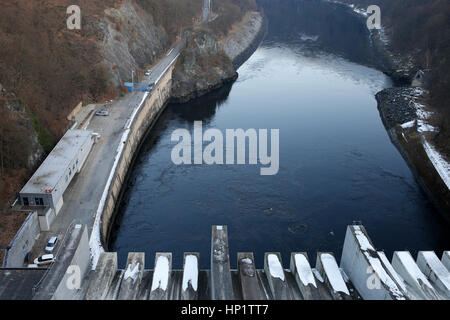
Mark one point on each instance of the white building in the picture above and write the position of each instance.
(46, 187)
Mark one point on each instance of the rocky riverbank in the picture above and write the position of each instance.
(405, 118)
(207, 62)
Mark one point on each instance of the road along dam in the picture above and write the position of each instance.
(142, 119)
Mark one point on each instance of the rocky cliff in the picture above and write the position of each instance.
(203, 66)
(208, 62)
(131, 40)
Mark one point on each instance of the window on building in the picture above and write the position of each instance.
(39, 201)
(26, 202)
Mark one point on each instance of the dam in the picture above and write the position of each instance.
(364, 273)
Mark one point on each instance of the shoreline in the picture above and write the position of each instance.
(410, 143)
(399, 69)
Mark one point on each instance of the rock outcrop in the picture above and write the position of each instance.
(203, 66)
(207, 63)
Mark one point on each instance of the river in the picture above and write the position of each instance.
(337, 163)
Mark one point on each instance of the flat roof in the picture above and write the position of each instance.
(17, 284)
(57, 162)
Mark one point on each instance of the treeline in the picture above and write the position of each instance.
(48, 66)
(422, 28)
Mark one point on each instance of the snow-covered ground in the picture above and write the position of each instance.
(441, 165)
(439, 162)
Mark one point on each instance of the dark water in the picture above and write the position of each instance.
(337, 164)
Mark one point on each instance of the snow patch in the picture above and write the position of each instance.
(331, 269)
(304, 270)
(161, 274)
(190, 273)
(441, 165)
(275, 268)
(133, 274)
(409, 124)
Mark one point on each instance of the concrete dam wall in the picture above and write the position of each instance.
(144, 118)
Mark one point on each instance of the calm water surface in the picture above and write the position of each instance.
(337, 165)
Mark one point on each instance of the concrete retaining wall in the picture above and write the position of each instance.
(23, 242)
(145, 119)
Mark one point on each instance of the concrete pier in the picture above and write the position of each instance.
(328, 268)
(161, 277)
(446, 259)
(273, 268)
(191, 270)
(221, 284)
(132, 277)
(102, 277)
(435, 271)
(307, 283)
(248, 277)
(406, 267)
(361, 263)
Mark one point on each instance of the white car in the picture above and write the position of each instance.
(51, 244)
(148, 73)
(102, 113)
(44, 260)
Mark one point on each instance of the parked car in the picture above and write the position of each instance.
(44, 260)
(148, 73)
(102, 113)
(51, 244)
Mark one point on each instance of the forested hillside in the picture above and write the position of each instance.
(47, 69)
(421, 28)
